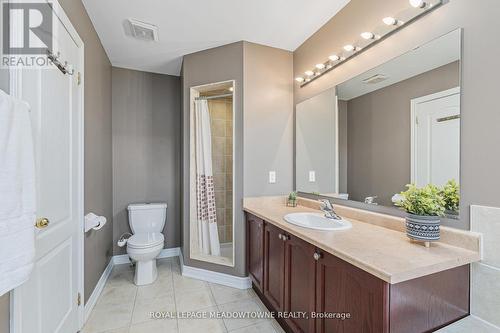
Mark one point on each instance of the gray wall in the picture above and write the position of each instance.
(315, 141)
(146, 148)
(209, 66)
(268, 119)
(98, 172)
(379, 141)
(480, 136)
(263, 128)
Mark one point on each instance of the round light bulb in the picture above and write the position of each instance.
(299, 79)
(417, 3)
(390, 20)
(349, 48)
(368, 35)
(309, 73)
(320, 66)
(231, 89)
(334, 57)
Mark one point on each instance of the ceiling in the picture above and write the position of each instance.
(434, 54)
(187, 26)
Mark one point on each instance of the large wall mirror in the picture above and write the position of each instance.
(211, 173)
(396, 124)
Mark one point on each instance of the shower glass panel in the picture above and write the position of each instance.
(211, 195)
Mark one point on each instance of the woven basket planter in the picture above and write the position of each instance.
(423, 228)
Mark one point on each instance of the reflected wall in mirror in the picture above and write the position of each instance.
(395, 124)
(211, 167)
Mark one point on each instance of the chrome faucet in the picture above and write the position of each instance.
(371, 200)
(327, 208)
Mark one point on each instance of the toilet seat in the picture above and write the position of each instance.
(145, 240)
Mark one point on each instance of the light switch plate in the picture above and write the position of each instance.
(272, 177)
(312, 176)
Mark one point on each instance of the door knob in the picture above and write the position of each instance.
(42, 222)
(316, 256)
(280, 236)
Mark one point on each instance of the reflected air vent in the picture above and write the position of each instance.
(375, 79)
(143, 30)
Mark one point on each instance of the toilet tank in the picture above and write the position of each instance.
(147, 217)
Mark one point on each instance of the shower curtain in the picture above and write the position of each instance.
(205, 194)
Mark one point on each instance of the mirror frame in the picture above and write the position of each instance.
(447, 220)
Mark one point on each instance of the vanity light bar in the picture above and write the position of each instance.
(369, 39)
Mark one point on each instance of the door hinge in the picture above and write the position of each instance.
(416, 120)
(79, 78)
(79, 299)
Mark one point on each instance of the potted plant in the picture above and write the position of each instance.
(424, 206)
(451, 195)
(292, 199)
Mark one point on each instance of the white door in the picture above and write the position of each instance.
(436, 138)
(48, 302)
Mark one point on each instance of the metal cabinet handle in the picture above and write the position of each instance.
(285, 238)
(316, 256)
(42, 222)
(280, 236)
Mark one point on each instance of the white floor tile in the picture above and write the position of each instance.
(208, 325)
(107, 317)
(469, 324)
(223, 294)
(156, 326)
(182, 283)
(143, 307)
(192, 300)
(125, 308)
(266, 327)
(248, 307)
(161, 287)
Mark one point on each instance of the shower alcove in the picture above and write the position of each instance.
(211, 173)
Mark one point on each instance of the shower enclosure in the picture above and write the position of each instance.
(211, 173)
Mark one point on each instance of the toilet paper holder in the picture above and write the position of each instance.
(94, 222)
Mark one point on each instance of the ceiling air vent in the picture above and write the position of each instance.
(375, 79)
(143, 30)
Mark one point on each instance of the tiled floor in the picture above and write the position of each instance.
(125, 308)
(469, 324)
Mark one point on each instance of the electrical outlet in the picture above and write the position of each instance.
(312, 176)
(272, 177)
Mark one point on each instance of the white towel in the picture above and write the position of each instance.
(17, 193)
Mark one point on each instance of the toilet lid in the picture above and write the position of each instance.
(145, 239)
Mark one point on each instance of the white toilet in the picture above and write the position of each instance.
(147, 222)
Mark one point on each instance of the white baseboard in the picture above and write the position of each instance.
(89, 305)
(214, 277)
(168, 253)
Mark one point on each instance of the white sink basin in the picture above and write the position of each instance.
(317, 221)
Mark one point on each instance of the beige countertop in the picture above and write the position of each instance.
(375, 243)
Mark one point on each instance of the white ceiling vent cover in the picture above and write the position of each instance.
(375, 79)
(143, 30)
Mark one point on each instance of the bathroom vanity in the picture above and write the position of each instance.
(371, 274)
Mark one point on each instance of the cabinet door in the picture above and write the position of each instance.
(300, 283)
(255, 250)
(274, 269)
(344, 288)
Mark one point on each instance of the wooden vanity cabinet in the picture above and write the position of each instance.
(255, 251)
(291, 275)
(300, 283)
(344, 288)
(274, 266)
